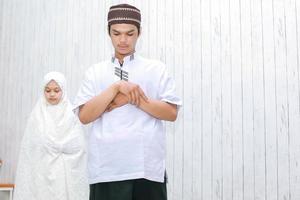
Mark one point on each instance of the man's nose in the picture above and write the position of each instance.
(123, 38)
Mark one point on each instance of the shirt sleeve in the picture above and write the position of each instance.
(167, 89)
(86, 90)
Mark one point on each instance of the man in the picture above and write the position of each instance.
(126, 98)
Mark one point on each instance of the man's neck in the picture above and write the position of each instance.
(120, 58)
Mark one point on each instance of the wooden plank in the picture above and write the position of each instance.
(17, 64)
(170, 62)
(6, 185)
(12, 90)
(258, 101)
(197, 117)
(270, 102)
(237, 109)
(206, 100)
(161, 29)
(292, 66)
(188, 98)
(226, 65)
(179, 125)
(297, 10)
(153, 16)
(247, 99)
(216, 95)
(3, 70)
(145, 40)
(282, 107)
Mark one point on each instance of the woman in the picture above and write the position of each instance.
(52, 162)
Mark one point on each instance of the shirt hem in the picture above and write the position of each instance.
(125, 177)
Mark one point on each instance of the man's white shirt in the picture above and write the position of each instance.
(127, 143)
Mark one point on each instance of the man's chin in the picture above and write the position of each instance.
(124, 53)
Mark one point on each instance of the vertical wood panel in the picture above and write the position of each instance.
(258, 101)
(226, 65)
(179, 127)
(170, 62)
(216, 101)
(270, 101)
(237, 101)
(188, 99)
(283, 187)
(206, 122)
(197, 116)
(247, 99)
(293, 96)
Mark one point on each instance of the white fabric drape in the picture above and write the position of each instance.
(52, 161)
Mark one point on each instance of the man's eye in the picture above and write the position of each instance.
(130, 34)
(116, 34)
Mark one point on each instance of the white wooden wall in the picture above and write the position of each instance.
(236, 66)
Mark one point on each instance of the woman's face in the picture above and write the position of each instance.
(53, 93)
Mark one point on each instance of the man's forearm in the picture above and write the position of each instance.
(159, 109)
(95, 107)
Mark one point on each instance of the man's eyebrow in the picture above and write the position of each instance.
(130, 31)
(115, 30)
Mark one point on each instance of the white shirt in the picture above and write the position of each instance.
(127, 143)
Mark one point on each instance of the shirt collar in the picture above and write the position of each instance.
(126, 59)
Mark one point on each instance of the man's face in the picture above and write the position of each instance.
(123, 37)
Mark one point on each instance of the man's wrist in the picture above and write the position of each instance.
(116, 87)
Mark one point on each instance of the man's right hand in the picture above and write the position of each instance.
(132, 91)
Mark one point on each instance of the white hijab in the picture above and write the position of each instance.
(52, 161)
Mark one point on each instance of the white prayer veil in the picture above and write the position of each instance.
(52, 160)
(59, 78)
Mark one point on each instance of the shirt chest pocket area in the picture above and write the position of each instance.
(148, 83)
(149, 89)
(103, 80)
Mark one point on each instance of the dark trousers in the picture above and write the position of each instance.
(137, 189)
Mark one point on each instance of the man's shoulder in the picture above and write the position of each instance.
(98, 66)
(101, 64)
(152, 62)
